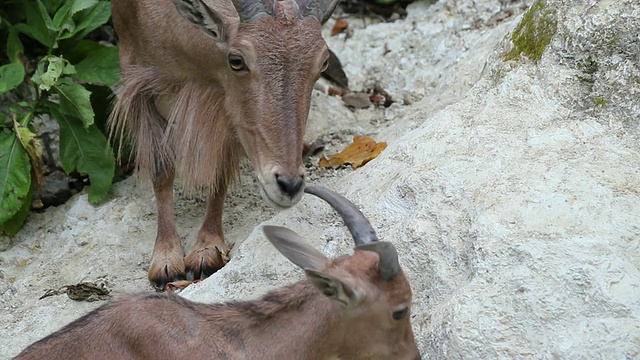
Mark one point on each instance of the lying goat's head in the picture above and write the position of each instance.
(372, 295)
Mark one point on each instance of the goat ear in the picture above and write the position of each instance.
(294, 248)
(205, 18)
(333, 287)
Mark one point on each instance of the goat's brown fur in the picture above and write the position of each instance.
(190, 116)
(295, 322)
(196, 141)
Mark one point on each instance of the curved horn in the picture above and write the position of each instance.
(363, 233)
(388, 265)
(250, 10)
(319, 9)
(359, 226)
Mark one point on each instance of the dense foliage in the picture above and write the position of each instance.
(70, 83)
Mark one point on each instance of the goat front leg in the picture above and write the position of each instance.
(210, 248)
(167, 261)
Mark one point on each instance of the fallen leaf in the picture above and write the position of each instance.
(331, 91)
(50, 292)
(379, 97)
(179, 285)
(84, 291)
(362, 150)
(339, 27)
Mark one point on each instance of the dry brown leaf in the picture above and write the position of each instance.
(331, 91)
(362, 150)
(379, 97)
(84, 291)
(179, 285)
(339, 27)
(33, 146)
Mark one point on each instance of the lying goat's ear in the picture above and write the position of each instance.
(294, 248)
(333, 287)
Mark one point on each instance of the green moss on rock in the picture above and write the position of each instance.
(533, 34)
(598, 101)
(588, 66)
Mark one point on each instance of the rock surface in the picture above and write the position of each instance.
(510, 189)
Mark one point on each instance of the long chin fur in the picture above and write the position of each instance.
(197, 141)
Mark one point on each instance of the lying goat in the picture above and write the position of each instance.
(352, 307)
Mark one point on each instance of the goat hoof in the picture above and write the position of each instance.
(202, 263)
(161, 274)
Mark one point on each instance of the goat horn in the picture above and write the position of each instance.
(388, 265)
(358, 225)
(250, 10)
(363, 233)
(319, 9)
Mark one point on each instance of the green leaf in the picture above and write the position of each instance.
(49, 70)
(101, 102)
(68, 69)
(81, 50)
(15, 176)
(79, 5)
(90, 19)
(75, 101)
(14, 224)
(25, 118)
(11, 75)
(100, 66)
(45, 76)
(28, 140)
(14, 46)
(53, 5)
(85, 150)
(44, 15)
(63, 20)
(36, 25)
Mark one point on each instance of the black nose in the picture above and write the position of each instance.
(290, 185)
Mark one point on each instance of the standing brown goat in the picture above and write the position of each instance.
(206, 82)
(349, 308)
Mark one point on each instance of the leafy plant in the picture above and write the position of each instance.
(61, 81)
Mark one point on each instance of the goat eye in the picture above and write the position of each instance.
(325, 65)
(399, 314)
(236, 62)
(329, 292)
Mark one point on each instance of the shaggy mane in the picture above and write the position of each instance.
(196, 142)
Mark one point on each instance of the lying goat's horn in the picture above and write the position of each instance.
(359, 226)
(388, 267)
(363, 233)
